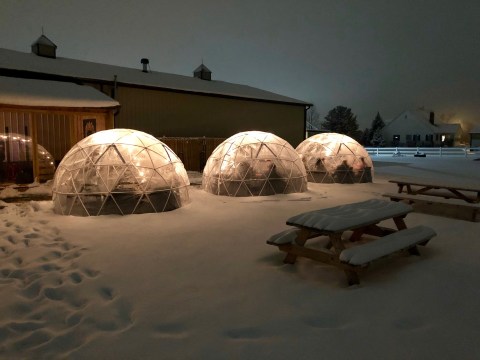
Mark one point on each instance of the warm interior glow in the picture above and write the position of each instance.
(119, 171)
(335, 158)
(21, 149)
(254, 163)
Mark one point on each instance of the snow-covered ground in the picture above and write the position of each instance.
(200, 282)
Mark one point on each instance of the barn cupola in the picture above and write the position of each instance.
(202, 72)
(43, 46)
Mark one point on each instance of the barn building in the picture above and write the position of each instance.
(51, 115)
(163, 104)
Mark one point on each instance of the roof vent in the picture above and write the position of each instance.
(202, 72)
(145, 65)
(43, 46)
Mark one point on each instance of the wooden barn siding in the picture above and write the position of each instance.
(194, 152)
(14, 123)
(164, 113)
(53, 132)
(57, 131)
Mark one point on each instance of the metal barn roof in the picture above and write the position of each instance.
(16, 61)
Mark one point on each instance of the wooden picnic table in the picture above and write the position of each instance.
(416, 186)
(360, 218)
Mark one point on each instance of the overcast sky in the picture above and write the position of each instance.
(372, 55)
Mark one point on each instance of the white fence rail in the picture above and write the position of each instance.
(424, 151)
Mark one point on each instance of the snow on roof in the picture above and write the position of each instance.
(421, 117)
(85, 70)
(43, 93)
(417, 115)
(475, 129)
(447, 128)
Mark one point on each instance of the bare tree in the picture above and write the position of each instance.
(313, 119)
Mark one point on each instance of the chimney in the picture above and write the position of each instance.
(432, 118)
(145, 63)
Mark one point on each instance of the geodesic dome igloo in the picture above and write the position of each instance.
(119, 171)
(335, 158)
(254, 163)
(16, 155)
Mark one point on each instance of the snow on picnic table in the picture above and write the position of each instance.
(200, 282)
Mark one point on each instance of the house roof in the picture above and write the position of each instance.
(422, 119)
(44, 93)
(415, 114)
(43, 40)
(11, 60)
(475, 129)
(202, 68)
(447, 128)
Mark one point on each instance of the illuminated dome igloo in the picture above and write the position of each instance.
(335, 158)
(119, 171)
(21, 149)
(254, 163)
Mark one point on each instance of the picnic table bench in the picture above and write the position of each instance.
(452, 199)
(358, 218)
(469, 193)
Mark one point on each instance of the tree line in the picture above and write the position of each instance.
(342, 120)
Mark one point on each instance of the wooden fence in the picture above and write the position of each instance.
(193, 151)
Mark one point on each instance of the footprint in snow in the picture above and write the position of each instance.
(170, 331)
(246, 333)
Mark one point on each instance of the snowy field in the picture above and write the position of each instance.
(201, 283)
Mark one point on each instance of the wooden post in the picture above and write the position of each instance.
(109, 121)
(301, 239)
(36, 166)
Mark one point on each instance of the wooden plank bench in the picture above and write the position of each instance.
(447, 207)
(359, 218)
(406, 239)
(357, 257)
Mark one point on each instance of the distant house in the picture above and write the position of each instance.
(165, 104)
(55, 115)
(475, 136)
(418, 128)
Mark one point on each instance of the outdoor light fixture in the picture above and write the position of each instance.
(335, 158)
(254, 163)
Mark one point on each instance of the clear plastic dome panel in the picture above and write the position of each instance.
(161, 151)
(21, 149)
(113, 172)
(335, 158)
(253, 164)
